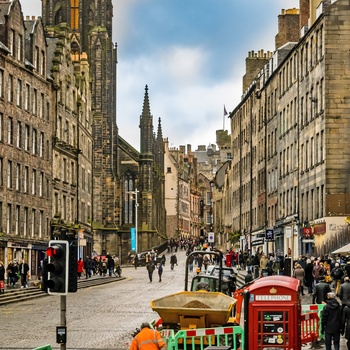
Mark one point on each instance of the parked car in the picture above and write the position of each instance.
(142, 258)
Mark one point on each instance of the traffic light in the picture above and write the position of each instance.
(73, 266)
(57, 267)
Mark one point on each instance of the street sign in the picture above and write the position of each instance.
(211, 237)
(269, 236)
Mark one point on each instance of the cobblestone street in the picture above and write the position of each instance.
(101, 317)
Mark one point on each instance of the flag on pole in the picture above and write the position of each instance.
(223, 119)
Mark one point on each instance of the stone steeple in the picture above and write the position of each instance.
(146, 125)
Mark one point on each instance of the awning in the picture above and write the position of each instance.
(344, 249)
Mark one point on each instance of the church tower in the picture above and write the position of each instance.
(90, 22)
(146, 163)
(151, 177)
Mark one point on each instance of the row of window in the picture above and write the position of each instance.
(16, 45)
(23, 221)
(66, 207)
(24, 137)
(24, 96)
(304, 59)
(23, 179)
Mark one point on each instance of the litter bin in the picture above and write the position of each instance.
(228, 261)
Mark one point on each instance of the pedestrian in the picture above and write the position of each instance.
(320, 293)
(337, 274)
(344, 291)
(190, 263)
(148, 339)
(128, 258)
(80, 268)
(88, 267)
(2, 277)
(12, 270)
(160, 272)
(318, 271)
(163, 259)
(248, 277)
(24, 271)
(263, 263)
(173, 261)
(136, 260)
(309, 278)
(331, 322)
(346, 321)
(299, 274)
(110, 265)
(150, 268)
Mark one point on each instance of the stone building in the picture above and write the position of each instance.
(117, 168)
(91, 26)
(25, 138)
(177, 192)
(72, 137)
(290, 168)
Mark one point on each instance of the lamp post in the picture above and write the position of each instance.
(136, 210)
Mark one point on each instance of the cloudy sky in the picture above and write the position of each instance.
(191, 54)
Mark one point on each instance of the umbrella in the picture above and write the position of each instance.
(344, 249)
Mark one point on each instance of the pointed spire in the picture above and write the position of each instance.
(146, 111)
(159, 132)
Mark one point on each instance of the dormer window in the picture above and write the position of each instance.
(36, 58)
(11, 40)
(19, 47)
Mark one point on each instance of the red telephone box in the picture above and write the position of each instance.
(273, 319)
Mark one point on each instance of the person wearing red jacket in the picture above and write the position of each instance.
(80, 267)
(148, 339)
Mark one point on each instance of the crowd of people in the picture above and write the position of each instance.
(99, 265)
(15, 271)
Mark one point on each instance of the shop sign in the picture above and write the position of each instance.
(308, 241)
(19, 245)
(269, 235)
(320, 228)
(307, 231)
(259, 241)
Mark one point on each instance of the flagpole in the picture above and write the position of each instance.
(223, 121)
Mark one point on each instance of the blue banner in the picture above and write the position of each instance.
(133, 238)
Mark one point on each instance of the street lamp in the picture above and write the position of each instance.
(136, 206)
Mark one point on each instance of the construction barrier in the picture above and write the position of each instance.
(203, 337)
(309, 327)
(314, 308)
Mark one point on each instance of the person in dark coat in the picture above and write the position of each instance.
(346, 322)
(331, 322)
(309, 278)
(24, 270)
(88, 267)
(344, 291)
(320, 294)
(160, 271)
(150, 268)
(110, 265)
(248, 277)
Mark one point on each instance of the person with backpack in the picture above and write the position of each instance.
(331, 322)
(337, 274)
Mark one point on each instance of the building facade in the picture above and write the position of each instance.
(25, 138)
(289, 171)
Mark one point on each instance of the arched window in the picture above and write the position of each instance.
(129, 198)
(74, 14)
